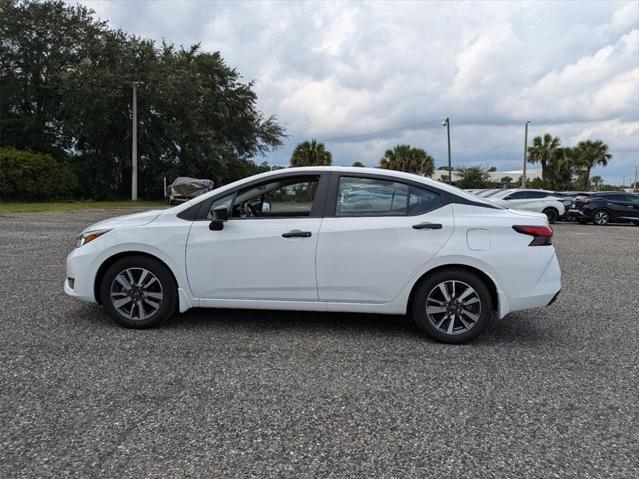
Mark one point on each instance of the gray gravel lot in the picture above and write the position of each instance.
(219, 393)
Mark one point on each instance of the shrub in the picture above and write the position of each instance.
(25, 175)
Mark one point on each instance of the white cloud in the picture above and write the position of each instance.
(335, 69)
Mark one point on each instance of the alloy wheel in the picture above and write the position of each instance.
(136, 294)
(601, 217)
(453, 307)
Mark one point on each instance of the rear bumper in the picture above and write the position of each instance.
(539, 286)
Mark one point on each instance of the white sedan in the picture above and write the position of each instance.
(541, 201)
(323, 239)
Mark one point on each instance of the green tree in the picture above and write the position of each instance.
(473, 177)
(409, 159)
(561, 169)
(311, 153)
(506, 180)
(542, 150)
(590, 153)
(358, 164)
(66, 90)
(596, 181)
(33, 176)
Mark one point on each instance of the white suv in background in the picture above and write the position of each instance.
(541, 201)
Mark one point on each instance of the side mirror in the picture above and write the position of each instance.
(220, 215)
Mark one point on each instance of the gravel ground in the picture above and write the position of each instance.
(219, 393)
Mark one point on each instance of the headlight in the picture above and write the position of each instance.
(89, 236)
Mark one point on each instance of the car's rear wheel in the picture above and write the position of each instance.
(138, 292)
(552, 214)
(601, 217)
(452, 306)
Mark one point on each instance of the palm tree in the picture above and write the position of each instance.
(472, 177)
(561, 169)
(591, 153)
(542, 151)
(409, 159)
(596, 181)
(311, 153)
(506, 180)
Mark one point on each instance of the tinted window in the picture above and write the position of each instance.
(422, 200)
(518, 195)
(224, 201)
(370, 197)
(284, 197)
(536, 194)
(632, 199)
(613, 197)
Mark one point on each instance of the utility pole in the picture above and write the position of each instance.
(636, 188)
(523, 176)
(134, 145)
(446, 123)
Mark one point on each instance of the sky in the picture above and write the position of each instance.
(348, 72)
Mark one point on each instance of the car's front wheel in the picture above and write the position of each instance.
(601, 217)
(452, 306)
(138, 292)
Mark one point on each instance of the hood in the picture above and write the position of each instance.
(136, 219)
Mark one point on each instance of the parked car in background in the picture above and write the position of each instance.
(332, 239)
(605, 207)
(184, 189)
(486, 193)
(567, 197)
(541, 201)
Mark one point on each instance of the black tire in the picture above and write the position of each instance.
(164, 285)
(552, 214)
(601, 217)
(482, 309)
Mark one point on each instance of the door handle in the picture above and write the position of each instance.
(427, 226)
(297, 234)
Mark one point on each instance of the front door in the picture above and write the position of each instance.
(266, 250)
(380, 234)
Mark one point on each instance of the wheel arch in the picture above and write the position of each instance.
(124, 254)
(488, 281)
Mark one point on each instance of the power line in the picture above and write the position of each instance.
(372, 133)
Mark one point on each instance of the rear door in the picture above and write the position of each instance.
(630, 204)
(378, 232)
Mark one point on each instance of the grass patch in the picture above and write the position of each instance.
(71, 206)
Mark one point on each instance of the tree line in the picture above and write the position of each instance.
(65, 83)
(563, 168)
(66, 108)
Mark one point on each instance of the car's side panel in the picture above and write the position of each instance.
(249, 259)
(370, 259)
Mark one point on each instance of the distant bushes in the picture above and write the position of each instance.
(25, 175)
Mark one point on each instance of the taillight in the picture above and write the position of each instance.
(542, 235)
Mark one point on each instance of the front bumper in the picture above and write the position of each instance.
(80, 267)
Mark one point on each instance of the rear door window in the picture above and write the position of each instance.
(358, 196)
